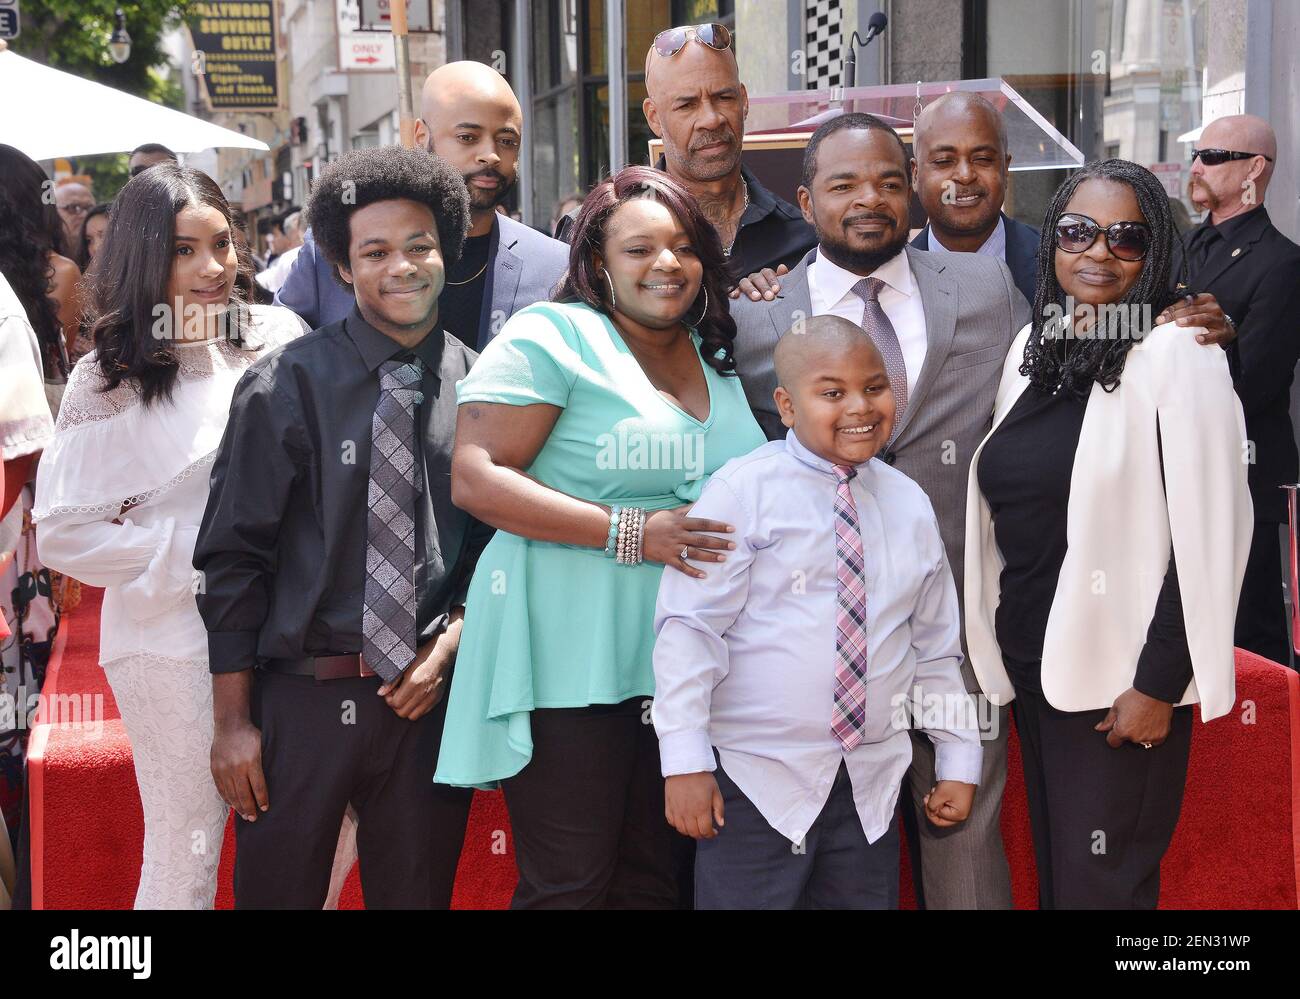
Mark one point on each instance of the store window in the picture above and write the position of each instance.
(1117, 77)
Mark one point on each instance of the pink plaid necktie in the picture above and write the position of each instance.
(849, 713)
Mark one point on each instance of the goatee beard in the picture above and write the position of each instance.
(860, 261)
(484, 201)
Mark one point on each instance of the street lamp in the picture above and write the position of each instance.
(119, 45)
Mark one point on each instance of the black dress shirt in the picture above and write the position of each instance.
(1024, 473)
(1205, 238)
(772, 232)
(282, 546)
(460, 306)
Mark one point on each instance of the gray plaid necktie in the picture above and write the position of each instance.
(388, 620)
(881, 330)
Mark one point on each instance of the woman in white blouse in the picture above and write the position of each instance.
(1107, 527)
(121, 490)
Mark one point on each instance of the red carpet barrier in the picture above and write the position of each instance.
(1237, 845)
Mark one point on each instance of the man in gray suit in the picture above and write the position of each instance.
(944, 323)
(469, 117)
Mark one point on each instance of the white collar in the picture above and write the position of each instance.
(834, 282)
(799, 450)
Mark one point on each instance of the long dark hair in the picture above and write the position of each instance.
(1047, 363)
(83, 244)
(582, 283)
(30, 231)
(133, 272)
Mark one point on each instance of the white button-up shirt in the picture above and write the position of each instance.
(745, 658)
(830, 287)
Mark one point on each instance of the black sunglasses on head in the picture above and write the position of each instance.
(1213, 157)
(673, 40)
(1126, 240)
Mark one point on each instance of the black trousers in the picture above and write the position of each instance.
(328, 743)
(1102, 818)
(1261, 611)
(749, 865)
(587, 813)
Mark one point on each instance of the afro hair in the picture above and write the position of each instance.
(365, 176)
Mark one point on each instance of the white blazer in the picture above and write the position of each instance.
(1120, 524)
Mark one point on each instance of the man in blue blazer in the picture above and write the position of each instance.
(959, 172)
(471, 118)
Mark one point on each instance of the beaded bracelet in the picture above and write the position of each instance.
(630, 529)
(624, 518)
(610, 546)
(640, 536)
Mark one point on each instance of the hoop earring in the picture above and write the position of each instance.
(613, 302)
(705, 311)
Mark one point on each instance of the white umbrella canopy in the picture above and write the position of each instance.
(48, 114)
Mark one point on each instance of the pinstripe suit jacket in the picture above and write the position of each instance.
(972, 313)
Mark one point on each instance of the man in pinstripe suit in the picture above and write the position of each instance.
(954, 317)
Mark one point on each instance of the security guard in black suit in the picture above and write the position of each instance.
(1241, 258)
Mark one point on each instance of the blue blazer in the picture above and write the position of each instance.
(312, 290)
(1022, 253)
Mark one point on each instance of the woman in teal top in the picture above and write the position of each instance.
(618, 399)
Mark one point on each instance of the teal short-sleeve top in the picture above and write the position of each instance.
(550, 625)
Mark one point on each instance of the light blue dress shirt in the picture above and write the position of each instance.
(994, 246)
(745, 658)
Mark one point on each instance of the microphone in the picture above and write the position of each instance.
(876, 24)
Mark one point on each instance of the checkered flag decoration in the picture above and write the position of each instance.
(823, 20)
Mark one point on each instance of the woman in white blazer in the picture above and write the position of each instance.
(1108, 524)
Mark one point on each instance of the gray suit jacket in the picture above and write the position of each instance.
(972, 312)
(528, 268)
(312, 291)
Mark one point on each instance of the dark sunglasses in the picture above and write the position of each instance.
(670, 42)
(1213, 157)
(1126, 240)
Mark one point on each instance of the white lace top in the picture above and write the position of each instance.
(113, 458)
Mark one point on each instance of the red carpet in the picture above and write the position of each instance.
(1237, 846)
(87, 830)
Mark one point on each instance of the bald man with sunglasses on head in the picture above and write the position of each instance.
(697, 105)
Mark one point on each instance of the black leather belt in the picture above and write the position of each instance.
(322, 667)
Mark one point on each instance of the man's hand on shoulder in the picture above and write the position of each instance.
(762, 285)
(1201, 310)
